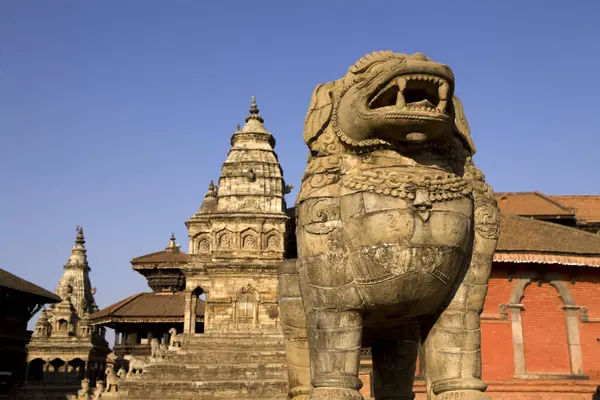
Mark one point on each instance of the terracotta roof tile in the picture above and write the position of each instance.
(164, 256)
(147, 307)
(11, 281)
(587, 208)
(530, 235)
(531, 204)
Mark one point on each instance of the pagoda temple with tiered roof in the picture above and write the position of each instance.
(143, 316)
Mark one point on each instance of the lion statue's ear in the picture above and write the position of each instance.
(319, 112)
(461, 126)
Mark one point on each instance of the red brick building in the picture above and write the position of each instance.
(541, 320)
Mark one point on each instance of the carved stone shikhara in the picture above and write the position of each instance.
(396, 229)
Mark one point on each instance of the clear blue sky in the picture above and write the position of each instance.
(116, 114)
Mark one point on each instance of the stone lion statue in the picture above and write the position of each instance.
(396, 230)
(83, 393)
(112, 379)
(98, 391)
(175, 338)
(157, 350)
(136, 364)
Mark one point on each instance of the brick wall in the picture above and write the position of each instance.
(544, 331)
(496, 336)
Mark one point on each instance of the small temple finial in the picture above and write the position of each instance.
(254, 111)
(212, 190)
(238, 128)
(79, 239)
(172, 244)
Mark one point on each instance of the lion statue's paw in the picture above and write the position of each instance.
(463, 395)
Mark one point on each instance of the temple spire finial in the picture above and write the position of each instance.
(212, 190)
(172, 244)
(254, 111)
(79, 240)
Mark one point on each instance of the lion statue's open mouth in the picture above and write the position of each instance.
(414, 93)
(389, 97)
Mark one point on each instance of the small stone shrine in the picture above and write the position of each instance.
(65, 347)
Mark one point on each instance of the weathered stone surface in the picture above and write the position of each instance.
(214, 367)
(396, 229)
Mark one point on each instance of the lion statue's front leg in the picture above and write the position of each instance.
(452, 346)
(396, 230)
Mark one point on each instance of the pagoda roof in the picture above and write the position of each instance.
(10, 281)
(146, 307)
(533, 204)
(171, 256)
(530, 240)
(162, 257)
(586, 207)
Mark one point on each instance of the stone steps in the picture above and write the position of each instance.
(217, 372)
(240, 342)
(226, 357)
(231, 366)
(138, 389)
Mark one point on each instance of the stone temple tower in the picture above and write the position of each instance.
(65, 347)
(236, 243)
(237, 237)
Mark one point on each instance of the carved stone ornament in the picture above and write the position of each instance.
(249, 240)
(226, 240)
(396, 229)
(204, 245)
(273, 242)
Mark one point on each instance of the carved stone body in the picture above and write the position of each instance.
(83, 393)
(396, 230)
(112, 380)
(157, 349)
(175, 338)
(136, 365)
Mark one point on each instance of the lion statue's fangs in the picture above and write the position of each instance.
(396, 230)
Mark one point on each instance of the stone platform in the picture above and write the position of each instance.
(232, 366)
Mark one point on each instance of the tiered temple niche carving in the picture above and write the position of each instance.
(226, 240)
(249, 239)
(246, 307)
(559, 314)
(273, 241)
(204, 244)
